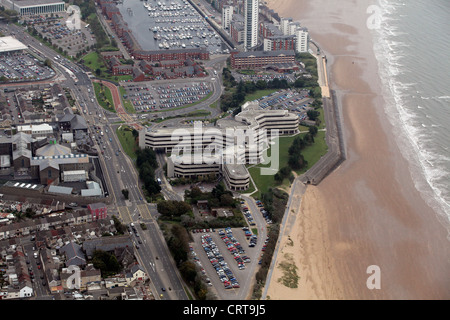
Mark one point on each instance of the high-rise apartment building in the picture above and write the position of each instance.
(227, 15)
(251, 12)
(301, 40)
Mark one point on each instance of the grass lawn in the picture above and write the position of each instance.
(126, 103)
(264, 182)
(126, 138)
(259, 94)
(311, 154)
(103, 94)
(321, 118)
(94, 61)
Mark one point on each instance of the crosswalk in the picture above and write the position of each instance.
(132, 213)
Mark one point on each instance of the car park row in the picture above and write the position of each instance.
(218, 262)
(263, 211)
(145, 98)
(234, 247)
(22, 67)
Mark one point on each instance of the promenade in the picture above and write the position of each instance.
(331, 160)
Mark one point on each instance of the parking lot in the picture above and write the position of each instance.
(223, 256)
(23, 66)
(292, 100)
(56, 31)
(156, 97)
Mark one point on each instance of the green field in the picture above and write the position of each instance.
(94, 61)
(311, 154)
(126, 103)
(126, 138)
(103, 95)
(259, 94)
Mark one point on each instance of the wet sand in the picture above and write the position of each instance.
(367, 212)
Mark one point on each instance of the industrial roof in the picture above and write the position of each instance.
(58, 189)
(50, 150)
(9, 43)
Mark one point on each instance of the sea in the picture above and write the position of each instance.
(412, 46)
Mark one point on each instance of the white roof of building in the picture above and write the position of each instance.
(74, 172)
(35, 127)
(9, 43)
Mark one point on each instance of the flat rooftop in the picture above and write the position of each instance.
(30, 3)
(9, 43)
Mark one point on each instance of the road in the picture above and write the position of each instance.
(120, 173)
(118, 170)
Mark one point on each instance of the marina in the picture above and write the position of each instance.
(170, 24)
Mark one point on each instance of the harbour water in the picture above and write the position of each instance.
(169, 24)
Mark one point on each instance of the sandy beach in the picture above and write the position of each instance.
(367, 212)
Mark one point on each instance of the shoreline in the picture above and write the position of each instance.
(368, 211)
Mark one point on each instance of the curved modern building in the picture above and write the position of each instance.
(226, 148)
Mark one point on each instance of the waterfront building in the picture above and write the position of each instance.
(284, 25)
(279, 43)
(260, 59)
(224, 149)
(302, 38)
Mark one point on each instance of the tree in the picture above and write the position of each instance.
(106, 262)
(297, 161)
(173, 208)
(29, 212)
(312, 114)
(313, 130)
(120, 228)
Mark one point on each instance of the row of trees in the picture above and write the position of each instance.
(296, 160)
(87, 9)
(173, 208)
(232, 99)
(218, 197)
(177, 239)
(146, 164)
(275, 201)
(9, 15)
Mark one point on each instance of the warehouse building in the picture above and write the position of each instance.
(10, 44)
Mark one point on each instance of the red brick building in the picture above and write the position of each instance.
(279, 43)
(178, 55)
(98, 210)
(110, 9)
